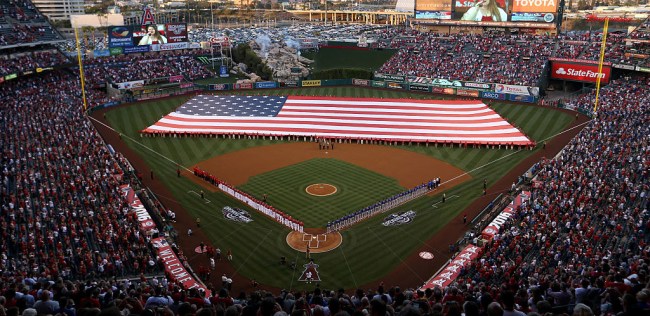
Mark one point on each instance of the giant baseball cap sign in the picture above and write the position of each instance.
(534, 6)
(579, 72)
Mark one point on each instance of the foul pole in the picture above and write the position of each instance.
(81, 69)
(603, 45)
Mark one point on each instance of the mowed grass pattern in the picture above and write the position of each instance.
(357, 188)
(369, 250)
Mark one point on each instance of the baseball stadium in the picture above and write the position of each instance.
(456, 158)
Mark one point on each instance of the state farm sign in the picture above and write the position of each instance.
(579, 72)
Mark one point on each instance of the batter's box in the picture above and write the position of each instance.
(307, 237)
(322, 237)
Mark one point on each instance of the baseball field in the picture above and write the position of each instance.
(283, 171)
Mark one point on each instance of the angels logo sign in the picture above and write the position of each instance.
(236, 214)
(147, 17)
(399, 218)
(310, 274)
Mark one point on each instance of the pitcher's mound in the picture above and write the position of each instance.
(317, 242)
(321, 189)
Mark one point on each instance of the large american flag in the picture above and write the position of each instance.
(460, 121)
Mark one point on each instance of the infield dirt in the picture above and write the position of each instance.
(408, 168)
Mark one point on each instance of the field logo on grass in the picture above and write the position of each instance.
(310, 274)
(399, 218)
(236, 214)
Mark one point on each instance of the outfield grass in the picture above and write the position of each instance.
(369, 250)
(357, 188)
(332, 58)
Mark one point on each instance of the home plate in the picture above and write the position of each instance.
(426, 255)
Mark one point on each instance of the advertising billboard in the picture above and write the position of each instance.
(519, 90)
(469, 12)
(120, 36)
(433, 9)
(579, 72)
(540, 6)
(481, 10)
(146, 35)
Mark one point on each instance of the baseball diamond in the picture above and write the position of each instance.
(238, 160)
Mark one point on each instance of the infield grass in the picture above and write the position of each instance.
(369, 250)
(356, 188)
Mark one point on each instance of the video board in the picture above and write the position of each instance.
(162, 35)
(543, 11)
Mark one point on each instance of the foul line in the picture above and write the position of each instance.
(395, 254)
(349, 269)
(435, 205)
(139, 143)
(194, 192)
(293, 275)
(513, 153)
(252, 252)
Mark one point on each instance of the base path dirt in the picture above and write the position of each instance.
(408, 168)
(315, 242)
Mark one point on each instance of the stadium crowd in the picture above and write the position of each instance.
(124, 68)
(29, 61)
(490, 57)
(583, 238)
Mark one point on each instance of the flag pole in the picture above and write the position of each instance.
(603, 45)
(81, 68)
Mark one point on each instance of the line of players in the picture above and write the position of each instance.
(382, 206)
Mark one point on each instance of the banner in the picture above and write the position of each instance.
(642, 69)
(135, 49)
(389, 77)
(176, 32)
(579, 72)
(520, 90)
(223, 41)
(532, 17)
(177, 78)
(266, 85)
(413, 87)
(130, 84)
(451, 271)
(493, 95)
(169, 46)
(623, 66)
(223, 71)
(245, 85)
(467, 93)
(360, 82)
(432, 5)
(218, 86)
(449, 91)
(495, 226)
(120, 36)
(394, 85)
(543, 6)
(116, 51)
(378, 84)
(477, 86)
(291, 83)
(438, 15)
(101, 53)
(174, 267)
(521, 98)
(310, 83)
(144, 219)
(579, 61)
